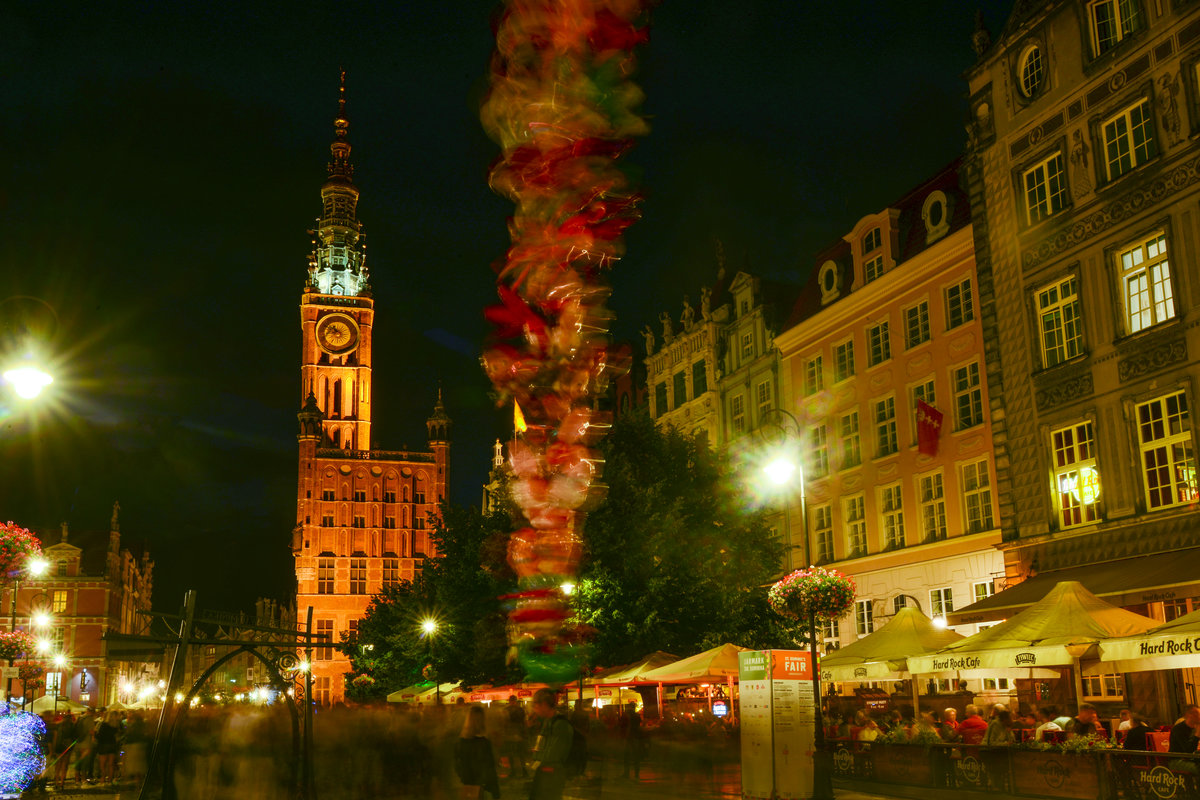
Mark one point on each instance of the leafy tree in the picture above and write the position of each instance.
(676, 561)
(459, 590)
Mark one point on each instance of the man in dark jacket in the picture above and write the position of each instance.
(1184, 740)
(551, 749)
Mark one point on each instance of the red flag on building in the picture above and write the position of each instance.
(929, 428)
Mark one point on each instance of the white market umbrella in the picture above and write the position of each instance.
(1060, 629)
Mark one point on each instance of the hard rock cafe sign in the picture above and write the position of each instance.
(1161, 782)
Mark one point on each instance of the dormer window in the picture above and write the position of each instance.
(872, 241)
(872, 253)
(1031, 70)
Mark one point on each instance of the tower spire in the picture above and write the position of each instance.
(337, 264)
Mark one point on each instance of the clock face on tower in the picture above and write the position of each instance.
(337, 334)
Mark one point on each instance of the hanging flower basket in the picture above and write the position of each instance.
(813, 592)
(17, 546)
(15, 644)
(362, 681)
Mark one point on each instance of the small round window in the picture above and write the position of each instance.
(1032, 70)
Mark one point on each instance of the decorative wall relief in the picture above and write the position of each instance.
(1152, 359)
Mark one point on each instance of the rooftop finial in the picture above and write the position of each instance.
(341, 128)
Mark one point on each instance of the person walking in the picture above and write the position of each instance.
(551, 749)
(108, 733)
(515, 735)
(474, 760)
(631, 729)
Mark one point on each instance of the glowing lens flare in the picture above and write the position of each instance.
(780, 471)
(28, 382)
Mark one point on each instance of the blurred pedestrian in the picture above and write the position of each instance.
(551, 749)
(474, 760)
(635, 743)
(516, 734)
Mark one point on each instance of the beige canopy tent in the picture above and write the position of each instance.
(886, 652)
(712, 666)
(46, 703)
(409, 694)
(1059, 630)
(1174, 645)
(629, 673)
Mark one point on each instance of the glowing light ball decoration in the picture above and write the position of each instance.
(21, 759)
(563, 110)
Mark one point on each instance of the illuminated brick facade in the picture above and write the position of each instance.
(361, 514)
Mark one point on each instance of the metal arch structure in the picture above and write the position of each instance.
(272, 653)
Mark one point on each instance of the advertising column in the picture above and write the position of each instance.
(777, 718)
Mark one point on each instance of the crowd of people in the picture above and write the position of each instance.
(95, 748)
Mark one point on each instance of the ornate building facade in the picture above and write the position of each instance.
(362, 514)
(1084, 173)
(93, 586)
(883, 369)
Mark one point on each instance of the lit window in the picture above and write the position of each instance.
(358, 576)
(1032, 70)
(325, 652)
(851, 445)
(1112, 21)
(941, 601)
(1146, 278)
(325, 576)
(959, 307)
(933, 507)
(977, 496)
(885, 426)
(1061, 329)
(916, 325)
(968, 396)
(1076, 481)
(814, 379)
(58, 601)
(1129, 140)
(891, 516)
(879, 343)
(983, 590)
(864, 618)
(763, 394)
(737, 414)
(1104, 687)
(844, 360)
(818, 448)
(856, 526)
(1045, 186)
(873, 269)
(1168, 462)
(823, 533)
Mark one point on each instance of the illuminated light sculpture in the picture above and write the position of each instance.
(21, 759)
(563, 110)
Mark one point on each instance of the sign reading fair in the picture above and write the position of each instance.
(778, 715)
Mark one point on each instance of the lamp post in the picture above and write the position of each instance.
(782, 470)
(33, 567)
(429, 627)
(60, 661)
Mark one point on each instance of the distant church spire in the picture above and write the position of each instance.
(338, 263)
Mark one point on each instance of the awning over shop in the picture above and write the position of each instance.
(711, 666)
(1174, 645)
(1124, 582)
(629, 673)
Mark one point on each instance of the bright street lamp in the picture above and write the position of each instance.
(430, 625)
(27, 381)
(780, 471)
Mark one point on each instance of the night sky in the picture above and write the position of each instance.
(163, 162)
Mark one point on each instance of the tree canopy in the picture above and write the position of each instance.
(675, 561)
